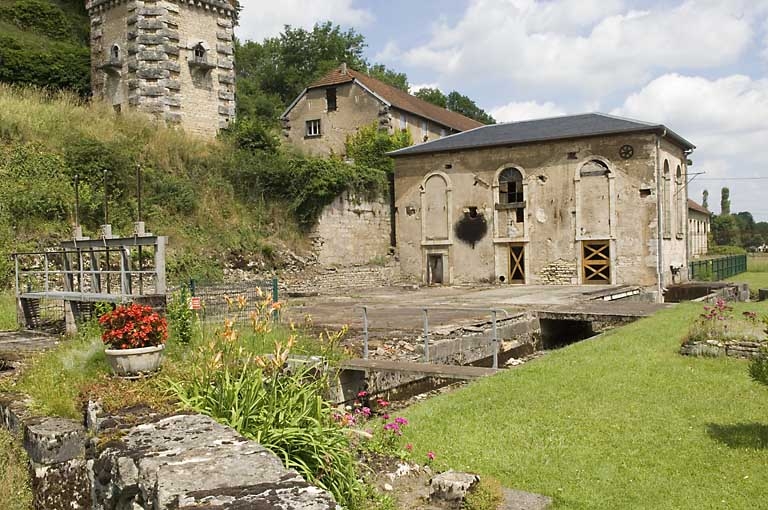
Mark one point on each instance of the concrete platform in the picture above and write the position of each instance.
(419, 369)
(16, 345)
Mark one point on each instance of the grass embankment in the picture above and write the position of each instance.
(757, 273)
(620, 421)
(15, 492)
(8, 320)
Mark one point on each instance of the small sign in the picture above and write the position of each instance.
(195, 303)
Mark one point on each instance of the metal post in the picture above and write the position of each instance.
(192, 286)
(77, 200)
(495, 341)
(45, 262)
(426, 335)
(365, 332)
(275, 298)
(106, 200)
(18, 277)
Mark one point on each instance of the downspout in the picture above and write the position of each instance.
(659, 222)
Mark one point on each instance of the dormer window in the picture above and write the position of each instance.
(330, 97)
(199, 60)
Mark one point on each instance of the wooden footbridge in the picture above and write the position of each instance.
(81, 272)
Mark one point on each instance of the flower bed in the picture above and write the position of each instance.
(718, 332)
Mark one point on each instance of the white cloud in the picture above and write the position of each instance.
(516, 111)
(267, 19)
(587, 46)
(726, 118)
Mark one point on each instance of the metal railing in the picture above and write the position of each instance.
(214, 297)
(425, 315)
(716, 269)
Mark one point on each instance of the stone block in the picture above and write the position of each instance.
(225, 63)
(171, 49)
(451, 486)
(224, 35)
(224, 22)
(152, 11)
(14, 410)
(227, 110)
(150, 24)
(172, 35)
(171, 84)
(152, 55)
(170, 65)
(224, 49)
(226, 79)
(225, 95)
(173, 102)
(153, 73)
(150, 39)
(54, 440)
(61, 486)
(173, 117)
(192, 461)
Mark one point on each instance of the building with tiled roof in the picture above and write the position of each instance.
(319, 120)
(698, 229)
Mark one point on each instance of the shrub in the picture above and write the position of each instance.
(282, 409)
(758, 368)
(726, 250)
(181, 315)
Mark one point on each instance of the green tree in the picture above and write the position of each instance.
(725, 231)
(388, 76)
(434, 96)
(369, 146)
(462, 104)
(705, 199)
(725, 202)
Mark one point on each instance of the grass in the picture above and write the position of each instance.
(620, 421)
(757, 273)
(8, 320)
(15, 490)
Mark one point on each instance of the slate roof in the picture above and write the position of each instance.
(695, 206)
(541, 130)
(396, 98)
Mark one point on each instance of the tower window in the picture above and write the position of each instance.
(330, 97)
(115, 52)
(199, 52)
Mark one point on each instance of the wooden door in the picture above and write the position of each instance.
(596, 262)
(517, 263)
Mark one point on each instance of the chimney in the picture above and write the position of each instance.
(344, 68)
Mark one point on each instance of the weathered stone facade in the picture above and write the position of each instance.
(572, 196)
(698, 229)
(171, 59)
(353, 230)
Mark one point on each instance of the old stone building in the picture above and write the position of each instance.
(338, 104)
(698, 229)
(581, 199)
(172, 59)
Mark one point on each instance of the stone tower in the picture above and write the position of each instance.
(172, 59)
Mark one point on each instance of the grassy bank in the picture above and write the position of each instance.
(620, 421)
(756, 275)
(15, 491)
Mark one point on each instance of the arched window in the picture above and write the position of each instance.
(594, 168)
(115, 52)
(680, 201)
(199, 52)
(511, 186)
(666, 206)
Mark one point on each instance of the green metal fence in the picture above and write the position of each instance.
(717, 269)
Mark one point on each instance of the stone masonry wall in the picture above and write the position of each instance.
(352, 230)
(143, 55)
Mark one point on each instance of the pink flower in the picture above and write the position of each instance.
(409, 447)
(401, 421)
(431, 456)
(382, 402)
(362, 393)
(385, 416)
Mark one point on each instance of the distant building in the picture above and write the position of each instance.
(319, 120)
(580, 199)
(172, 60)
(698, 229)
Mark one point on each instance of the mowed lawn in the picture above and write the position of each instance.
(757, 273)
(621, 421)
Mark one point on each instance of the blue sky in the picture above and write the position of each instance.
(697, 66)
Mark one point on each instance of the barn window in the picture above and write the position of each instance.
(330, 97)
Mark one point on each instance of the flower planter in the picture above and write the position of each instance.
(135, 362)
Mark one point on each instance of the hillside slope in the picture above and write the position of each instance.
(46, 139)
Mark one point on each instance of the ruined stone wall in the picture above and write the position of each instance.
(556, 222)
(154, 68)
(421, 129)
(352, 230)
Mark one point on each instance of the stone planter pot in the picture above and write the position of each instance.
(135, 362)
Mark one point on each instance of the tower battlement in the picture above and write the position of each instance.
(171, 59)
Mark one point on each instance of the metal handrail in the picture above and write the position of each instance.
(425, 311)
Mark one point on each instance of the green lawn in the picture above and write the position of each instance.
(8, 320)
(14, 481)
(617, 422)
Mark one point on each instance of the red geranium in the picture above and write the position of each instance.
(133, 326)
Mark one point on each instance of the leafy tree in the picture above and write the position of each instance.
(434, 96)
(388, 76)
(705, 199)
(725, 230)
(369, 146)
(725, 202)
(462, 104)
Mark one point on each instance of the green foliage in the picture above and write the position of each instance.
(486, 495)
(725, 230)
(282, 409)
(251, 134)
(726, 250)
(8, 319)
(705, 199)
(725, 202)
(14, 475)
(369, 146)
(389, 76)
(434, 96)
(462, 104)
(181, 316)
(758, 368)
(45, 45)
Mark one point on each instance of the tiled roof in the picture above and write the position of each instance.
(541, 130)
(399, 99)
(695, 206)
